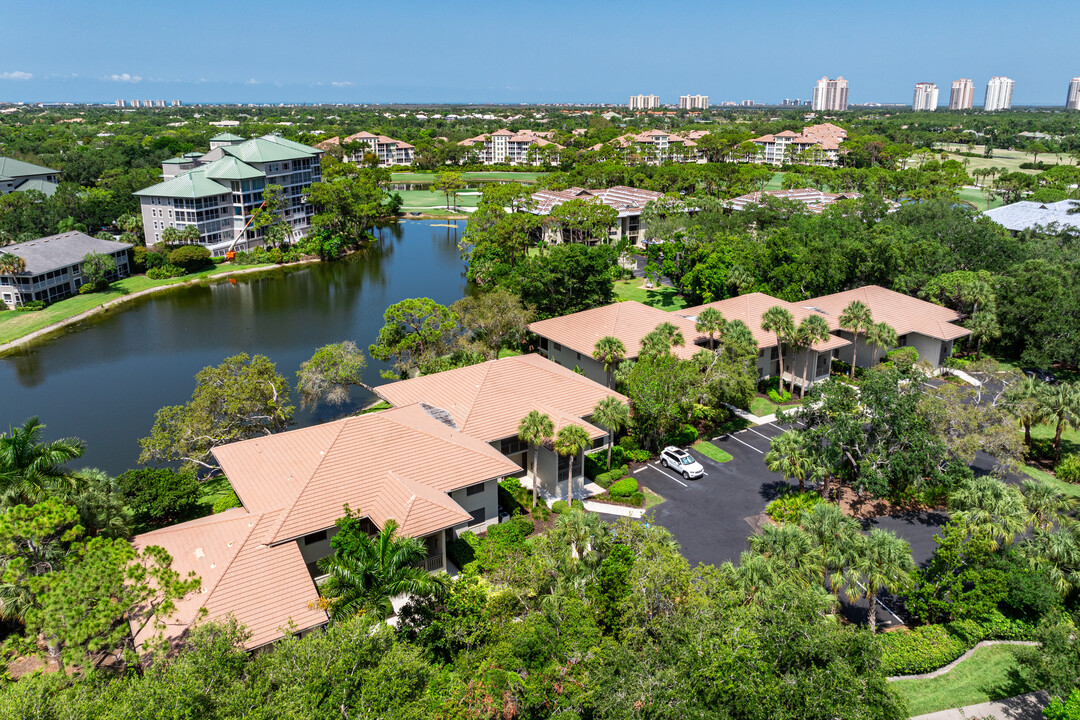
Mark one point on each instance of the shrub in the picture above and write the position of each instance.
(623, 488)
(790, 506)
(605, 480)
(275, 256)
(905, 357)
(559, 507)
(87, 288)
(577, 504)
(226, 502)
(596, 464)
(190, 257)
(638, 499)
(686, 435)
(138, 259)
(462, 550)
(156, 259)
(31, 306)
(779, 398)
(159, 496)
(218, 260)
(165, 272)
(629, 443)
(640, 456)
(1069, 468)
(921, 650)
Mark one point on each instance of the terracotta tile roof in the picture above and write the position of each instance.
(627, 200)
(751, 307)
(488, 400)
(815, 200)
(629, 321)
(418, 509)
(380, 139)
(904, 313)
(312, 472)
(266, 588)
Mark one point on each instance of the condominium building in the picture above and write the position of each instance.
(998, 94)
(655, 147)
(831, 94)
(388, 150)
(1072, 100)
(19, 176)
(218, 191)
(524, 147)
(53, 266)
(962, 96)
(926, 96)
(644, 102)
(815, 145)
(693, 102)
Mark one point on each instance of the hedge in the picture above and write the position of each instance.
(638, 499)
(930, 647)
(577, 504)
(559, 507)
(623, 488)
(605, 480)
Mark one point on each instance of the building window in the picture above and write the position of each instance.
(315, 537)
(901, 341)
(512, 446)
(558, 347)
(543, 343)
(475, 489)
(478, 516)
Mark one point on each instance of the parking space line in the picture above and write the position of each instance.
(761, 452)
(639, 469)
(657, 468)
(767, 437)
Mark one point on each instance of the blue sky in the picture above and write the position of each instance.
(509, 51)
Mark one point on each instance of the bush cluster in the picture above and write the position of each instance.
(1069, 468)
(559, 507)
(623, 488)
(686, 435)
(190, 257)
(165, 272)
(226, 502)
(790, 506)
(606, 479)
(929, 647)
(31, 306)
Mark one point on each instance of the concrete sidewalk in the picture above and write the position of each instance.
(1021, 707)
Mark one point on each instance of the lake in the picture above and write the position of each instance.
(102, 380)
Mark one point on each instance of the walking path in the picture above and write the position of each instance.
(1021, 707)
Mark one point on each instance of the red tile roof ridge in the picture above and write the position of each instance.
(240, 547)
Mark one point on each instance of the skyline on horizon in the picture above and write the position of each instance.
(510, 54)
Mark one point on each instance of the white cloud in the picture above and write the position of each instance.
(252, 81)
(124, 77)
(16, 75)
(341, 83)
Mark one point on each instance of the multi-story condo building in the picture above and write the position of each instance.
(926, 96)
(998, 94)
(388, 150)
(19, 176)
(831, 94)
(815, 145)
(629, 202)
(644, 102)
(53, 266)
(962, 96)
(693, 102)
(218, 191)
(524, 147)
(656, 147)
(1072, 100)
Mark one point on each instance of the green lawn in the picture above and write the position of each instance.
(1008, 159)
(507, 352)
(991, 673)
(212, 490)
(711, 451)
(1046, 478)
(527, 177)
(776, 182)
(424, 198)
(976, 198)
(1070, 438)
(651, 499)
(763, 406)
(14, 325)
(663, 297)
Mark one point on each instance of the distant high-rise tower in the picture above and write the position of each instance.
(830, 94)
(926, 95)
(644, 102)
(962, 96)
(998, 94)
(1072, 100)
(693, 102)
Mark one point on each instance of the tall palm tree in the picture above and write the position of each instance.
(789, 455)
(857, 318)
(880, 561)
(738, 340)
(1061, 403)
(882, 336)
(990, 507)
(1045, 505)
(31, 469)
(833, 533)
(711, 321)
(376, 570)
(1024, 398)
(615, 416)
(813, 329)
(781, 322)
(791, 547)
(610, 351)
(535, 429)
(10, 264)
(740, 280)
(569, 441)
(661, 340)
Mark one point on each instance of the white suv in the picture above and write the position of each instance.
(681, 462)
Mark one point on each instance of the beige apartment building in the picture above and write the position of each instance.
(962, 96)
(655, 147)
(831, 94)
(389, 151)
(815, 145)
(644, 102)
(628, 201)
(693, 102)
(524, 147)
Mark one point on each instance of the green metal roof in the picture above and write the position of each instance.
(192, 184)
(10, 167)
(230, 168)
(269, 149)
(226, 137)
(176, 161)
(39, 184)
(193, 155)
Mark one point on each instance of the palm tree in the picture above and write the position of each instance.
(535, 428)
(740, 280)
(882, 336)
(661, 340)
(376, 570)
(737, 339)
(30, 469)
(711, 321)
(813, 329)
(1045, 505)
(610, 351)
(1025, 400)
(990, 507)
(881, 561)
(780, 321)
(569, 441)
(11, 264)
(1061, 403)
(791, 547)
(833, 533)
(789, 455)
(615, 416)
(856, 317)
